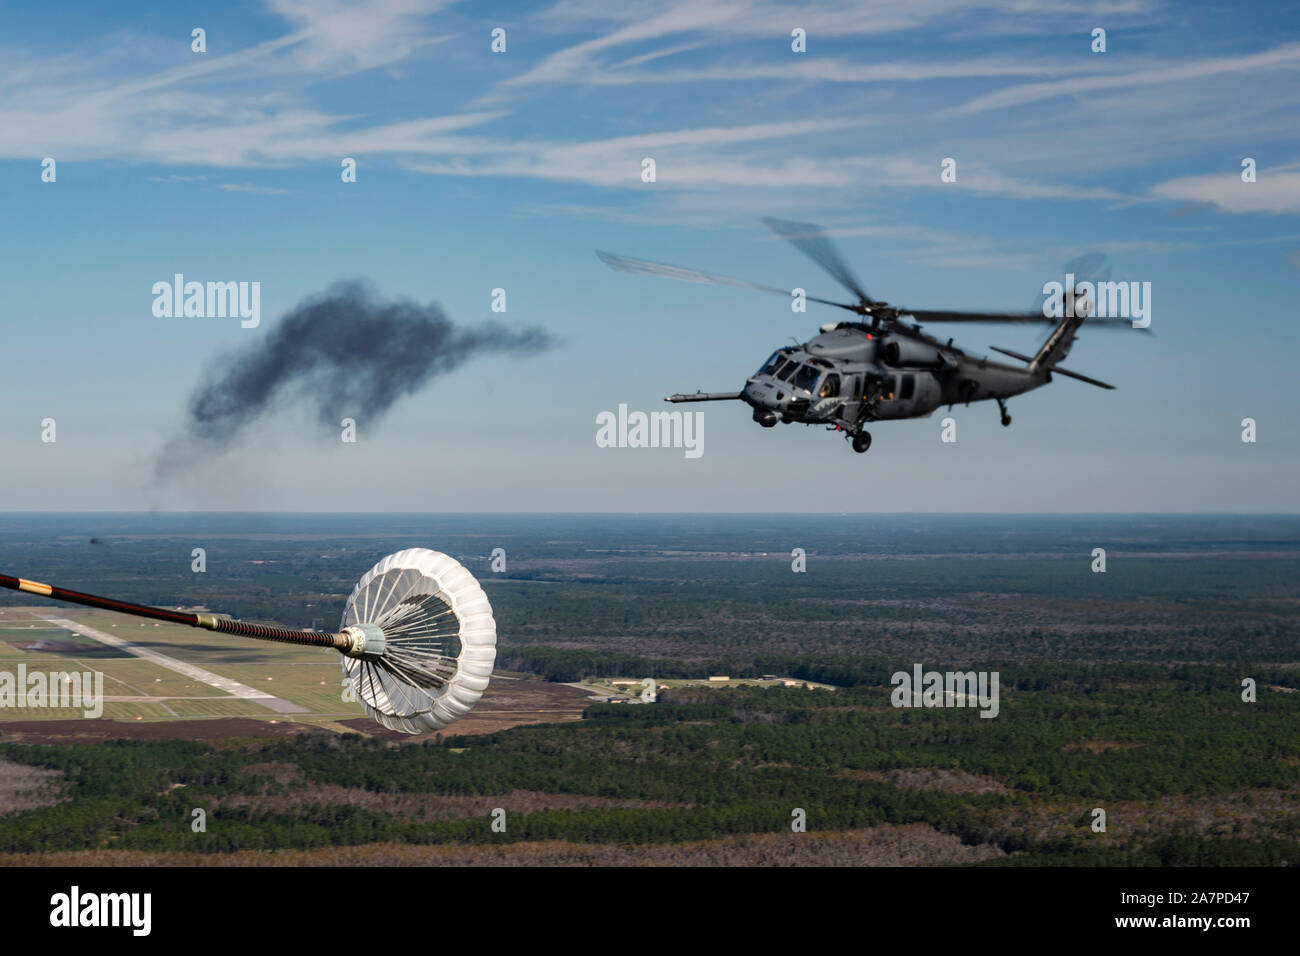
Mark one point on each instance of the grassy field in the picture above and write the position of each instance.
(135, 688)
(1123, 692)
(138, 690)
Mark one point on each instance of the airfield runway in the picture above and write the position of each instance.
(231, 687)
(160, 682)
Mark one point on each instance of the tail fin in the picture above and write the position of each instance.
(1057, 346)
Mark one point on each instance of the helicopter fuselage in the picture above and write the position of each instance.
(880, 368)
(851, 374)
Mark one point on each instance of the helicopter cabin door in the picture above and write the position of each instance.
(922, 396)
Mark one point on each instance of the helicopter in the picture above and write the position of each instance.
(878, 367)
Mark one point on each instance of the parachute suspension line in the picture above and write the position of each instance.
(416, 630)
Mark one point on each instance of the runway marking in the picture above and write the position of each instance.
(231, 687)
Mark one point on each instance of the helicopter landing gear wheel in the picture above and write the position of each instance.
(861, 442)
(1006, 418)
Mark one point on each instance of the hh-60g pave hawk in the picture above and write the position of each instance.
(864, 371)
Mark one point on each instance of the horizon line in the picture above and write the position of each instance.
(948, 514)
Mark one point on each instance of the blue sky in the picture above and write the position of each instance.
(479, 170)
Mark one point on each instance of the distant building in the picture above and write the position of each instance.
(719, 679)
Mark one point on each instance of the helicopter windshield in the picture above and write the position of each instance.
(770, 365)
(806, 378)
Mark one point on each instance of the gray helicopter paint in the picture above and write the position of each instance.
(866, 388)
(854, 373)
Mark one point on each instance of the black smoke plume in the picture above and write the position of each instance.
(345, 352)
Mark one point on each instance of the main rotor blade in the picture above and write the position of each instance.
(665, 271)
(813, 242)
(1010, 318)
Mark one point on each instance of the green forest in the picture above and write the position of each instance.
(1121, 692)
(707, 763)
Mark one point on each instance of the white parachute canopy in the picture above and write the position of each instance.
(440, 641)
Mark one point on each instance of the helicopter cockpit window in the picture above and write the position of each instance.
(771, 364)
(830, 388)
(806, 378)
(786, 370)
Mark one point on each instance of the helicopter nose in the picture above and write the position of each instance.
(757, 394)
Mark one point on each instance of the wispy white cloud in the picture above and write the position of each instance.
(256, 107)
(684, 158)
(1285, 57)
(661, 54)
(210, 109)
(832, 70)
(1276, 190)
(724, 157)
(346, 35)
(720, 22)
